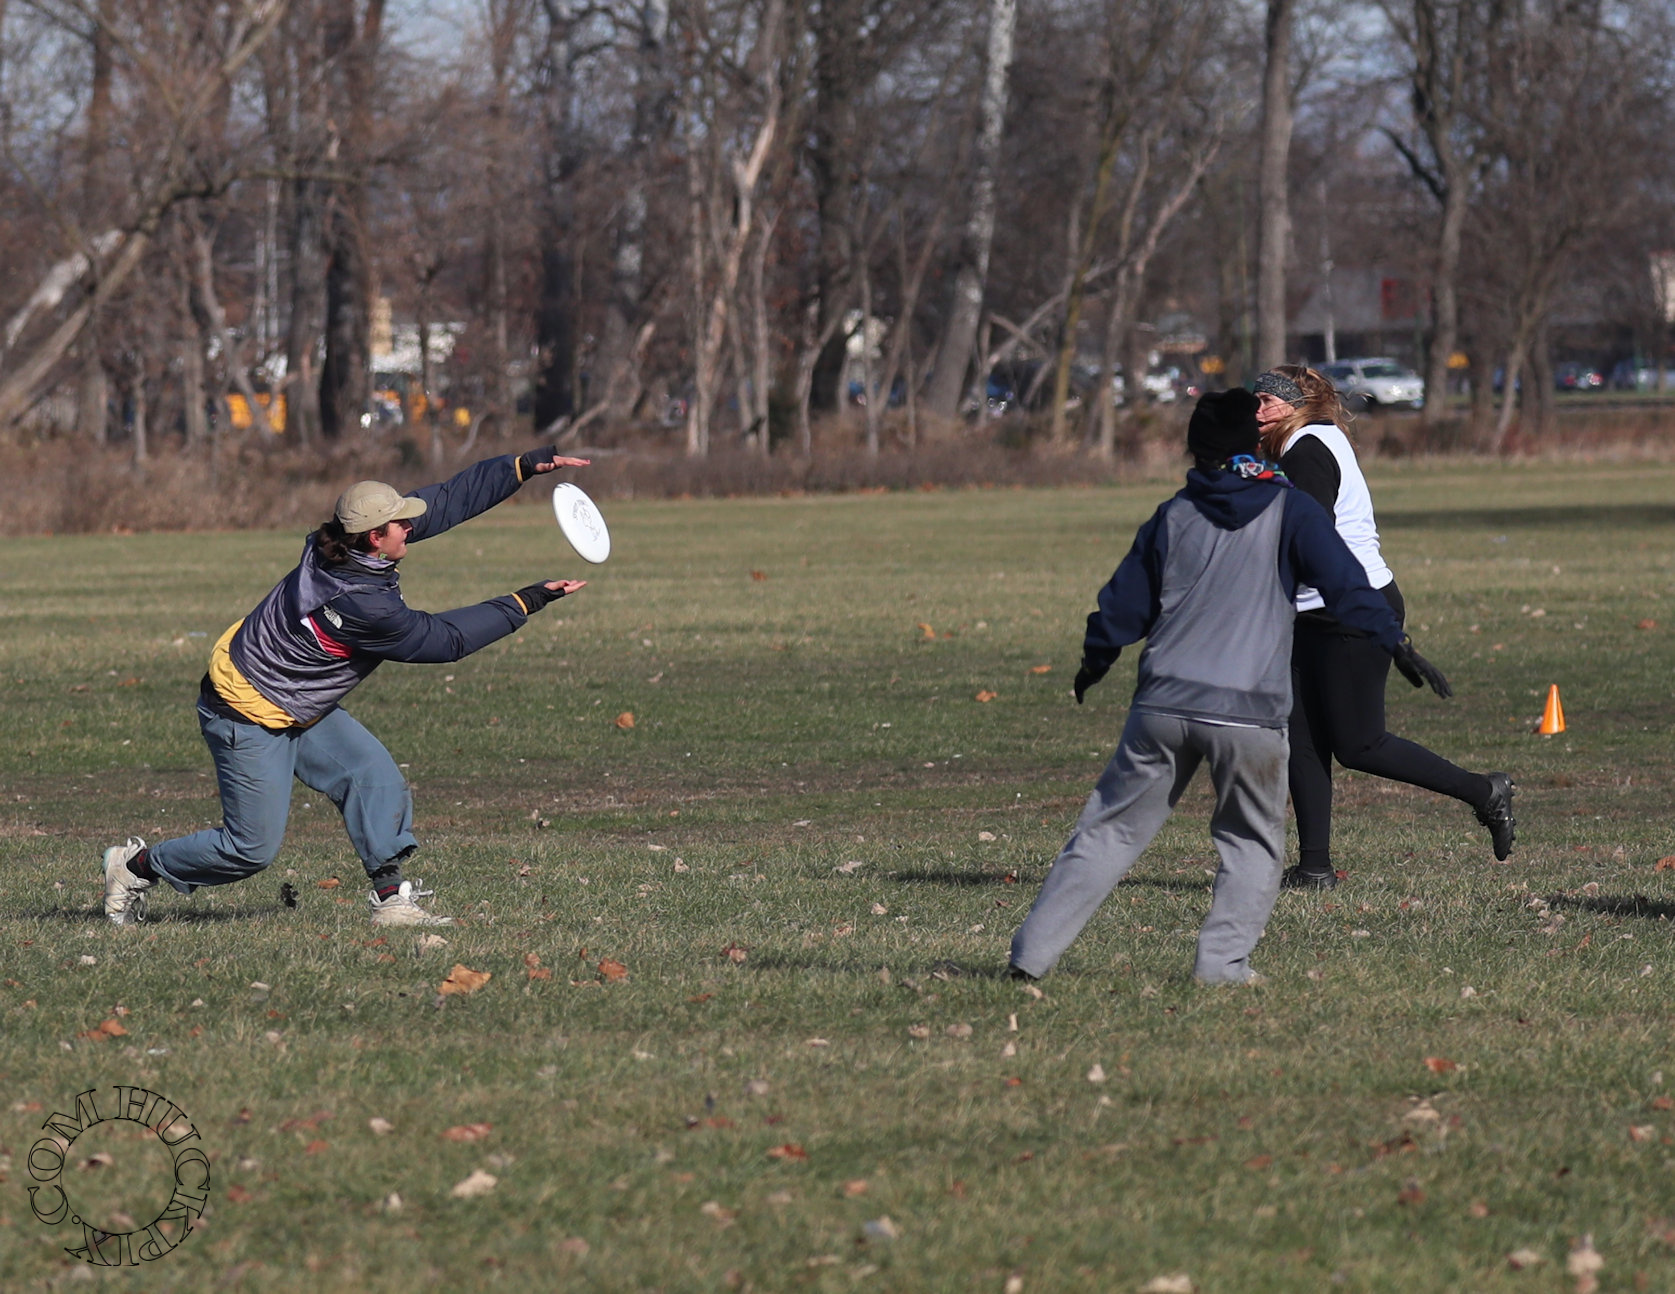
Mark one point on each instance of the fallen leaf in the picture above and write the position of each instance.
(1583, 1263)
(462, 979)
(1647, 624)
(1040, 669)
(1477, 1209)
(1411, 1193)
(1096, 1074)
(531, 960)
(237, 1194)
(853, 1187)
(961, 1030)
(428, 943)
(574, 1245)
(985, 835)
(790, 1150)
(330, 883)
(381, 1127)
(1259, 1162)
(1175, 1283)
(986, 696)
(1642, 1131)
(1663, 1103)
(1665, 864)
(1522, 1259)
(736, 954)
(612, 970)
(723, 1217)
(467, 1132)
(1440, 1064)
(758, 575)
(881, 1228)
(625, 720)
(479, 1183)
(926, 630)
(918, 1031)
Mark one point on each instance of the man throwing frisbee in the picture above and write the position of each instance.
(269, 705)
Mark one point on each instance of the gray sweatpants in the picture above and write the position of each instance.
(1155, 760)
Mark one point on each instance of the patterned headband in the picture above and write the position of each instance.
(1272, 383)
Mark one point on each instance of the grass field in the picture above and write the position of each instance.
(746, 1029)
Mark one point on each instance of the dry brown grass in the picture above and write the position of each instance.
(61, 486)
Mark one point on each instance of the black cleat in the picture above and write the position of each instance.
(1295, 878)
(1496, 814)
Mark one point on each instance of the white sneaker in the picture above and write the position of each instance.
(125, 899)
(402, 908)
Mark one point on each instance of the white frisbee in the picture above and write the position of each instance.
(581, 523)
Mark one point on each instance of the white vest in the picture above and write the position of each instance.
(1352, 512)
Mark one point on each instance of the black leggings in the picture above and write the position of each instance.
(1337, 680)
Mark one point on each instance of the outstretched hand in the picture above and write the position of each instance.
(535, 596)
(1419, 671)
(548, 459)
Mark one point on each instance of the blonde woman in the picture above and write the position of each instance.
(1337, 673)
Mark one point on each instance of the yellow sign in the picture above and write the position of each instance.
(1458, 360)
(1213, 364)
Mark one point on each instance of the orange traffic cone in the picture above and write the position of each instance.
(1552, 718)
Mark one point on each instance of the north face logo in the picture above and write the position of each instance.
(337, 620)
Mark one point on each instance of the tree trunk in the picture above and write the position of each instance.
(555, 318)
(92, 388)
(625, 309)
(140, 408)
(346, 373)
(1274, 226)
(948, 380)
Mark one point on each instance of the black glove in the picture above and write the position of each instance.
(527, 463)
(1086, 677)
(1419, 671)
(537, 596)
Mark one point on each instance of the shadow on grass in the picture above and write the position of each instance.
(950, 877)
(171, 917)
(1637, 905)
(1628, 517)
(920, 975)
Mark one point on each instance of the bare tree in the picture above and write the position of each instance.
(1273, 184)
(947, 381)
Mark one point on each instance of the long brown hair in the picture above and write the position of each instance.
(1321, 403)
(335, 544)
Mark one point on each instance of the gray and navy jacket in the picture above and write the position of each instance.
(324, 628)
(1209, 584)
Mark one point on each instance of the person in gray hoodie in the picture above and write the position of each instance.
(1209, 584)
(269, 705)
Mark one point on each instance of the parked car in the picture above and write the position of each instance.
(1627, 376)
(1578, 377)
(1163, 385)
(1374, 383)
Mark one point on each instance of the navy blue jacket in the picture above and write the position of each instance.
(1209, 581)
(324, 627)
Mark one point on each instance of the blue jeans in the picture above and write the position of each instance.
(254, 767)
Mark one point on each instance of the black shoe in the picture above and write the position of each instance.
(1295, 878)
(1018, 972)
(1496, 814)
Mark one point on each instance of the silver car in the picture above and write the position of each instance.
(1374, 383)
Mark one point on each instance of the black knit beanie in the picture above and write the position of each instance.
(1224, 424)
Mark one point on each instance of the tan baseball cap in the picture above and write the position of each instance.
(367, 505)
